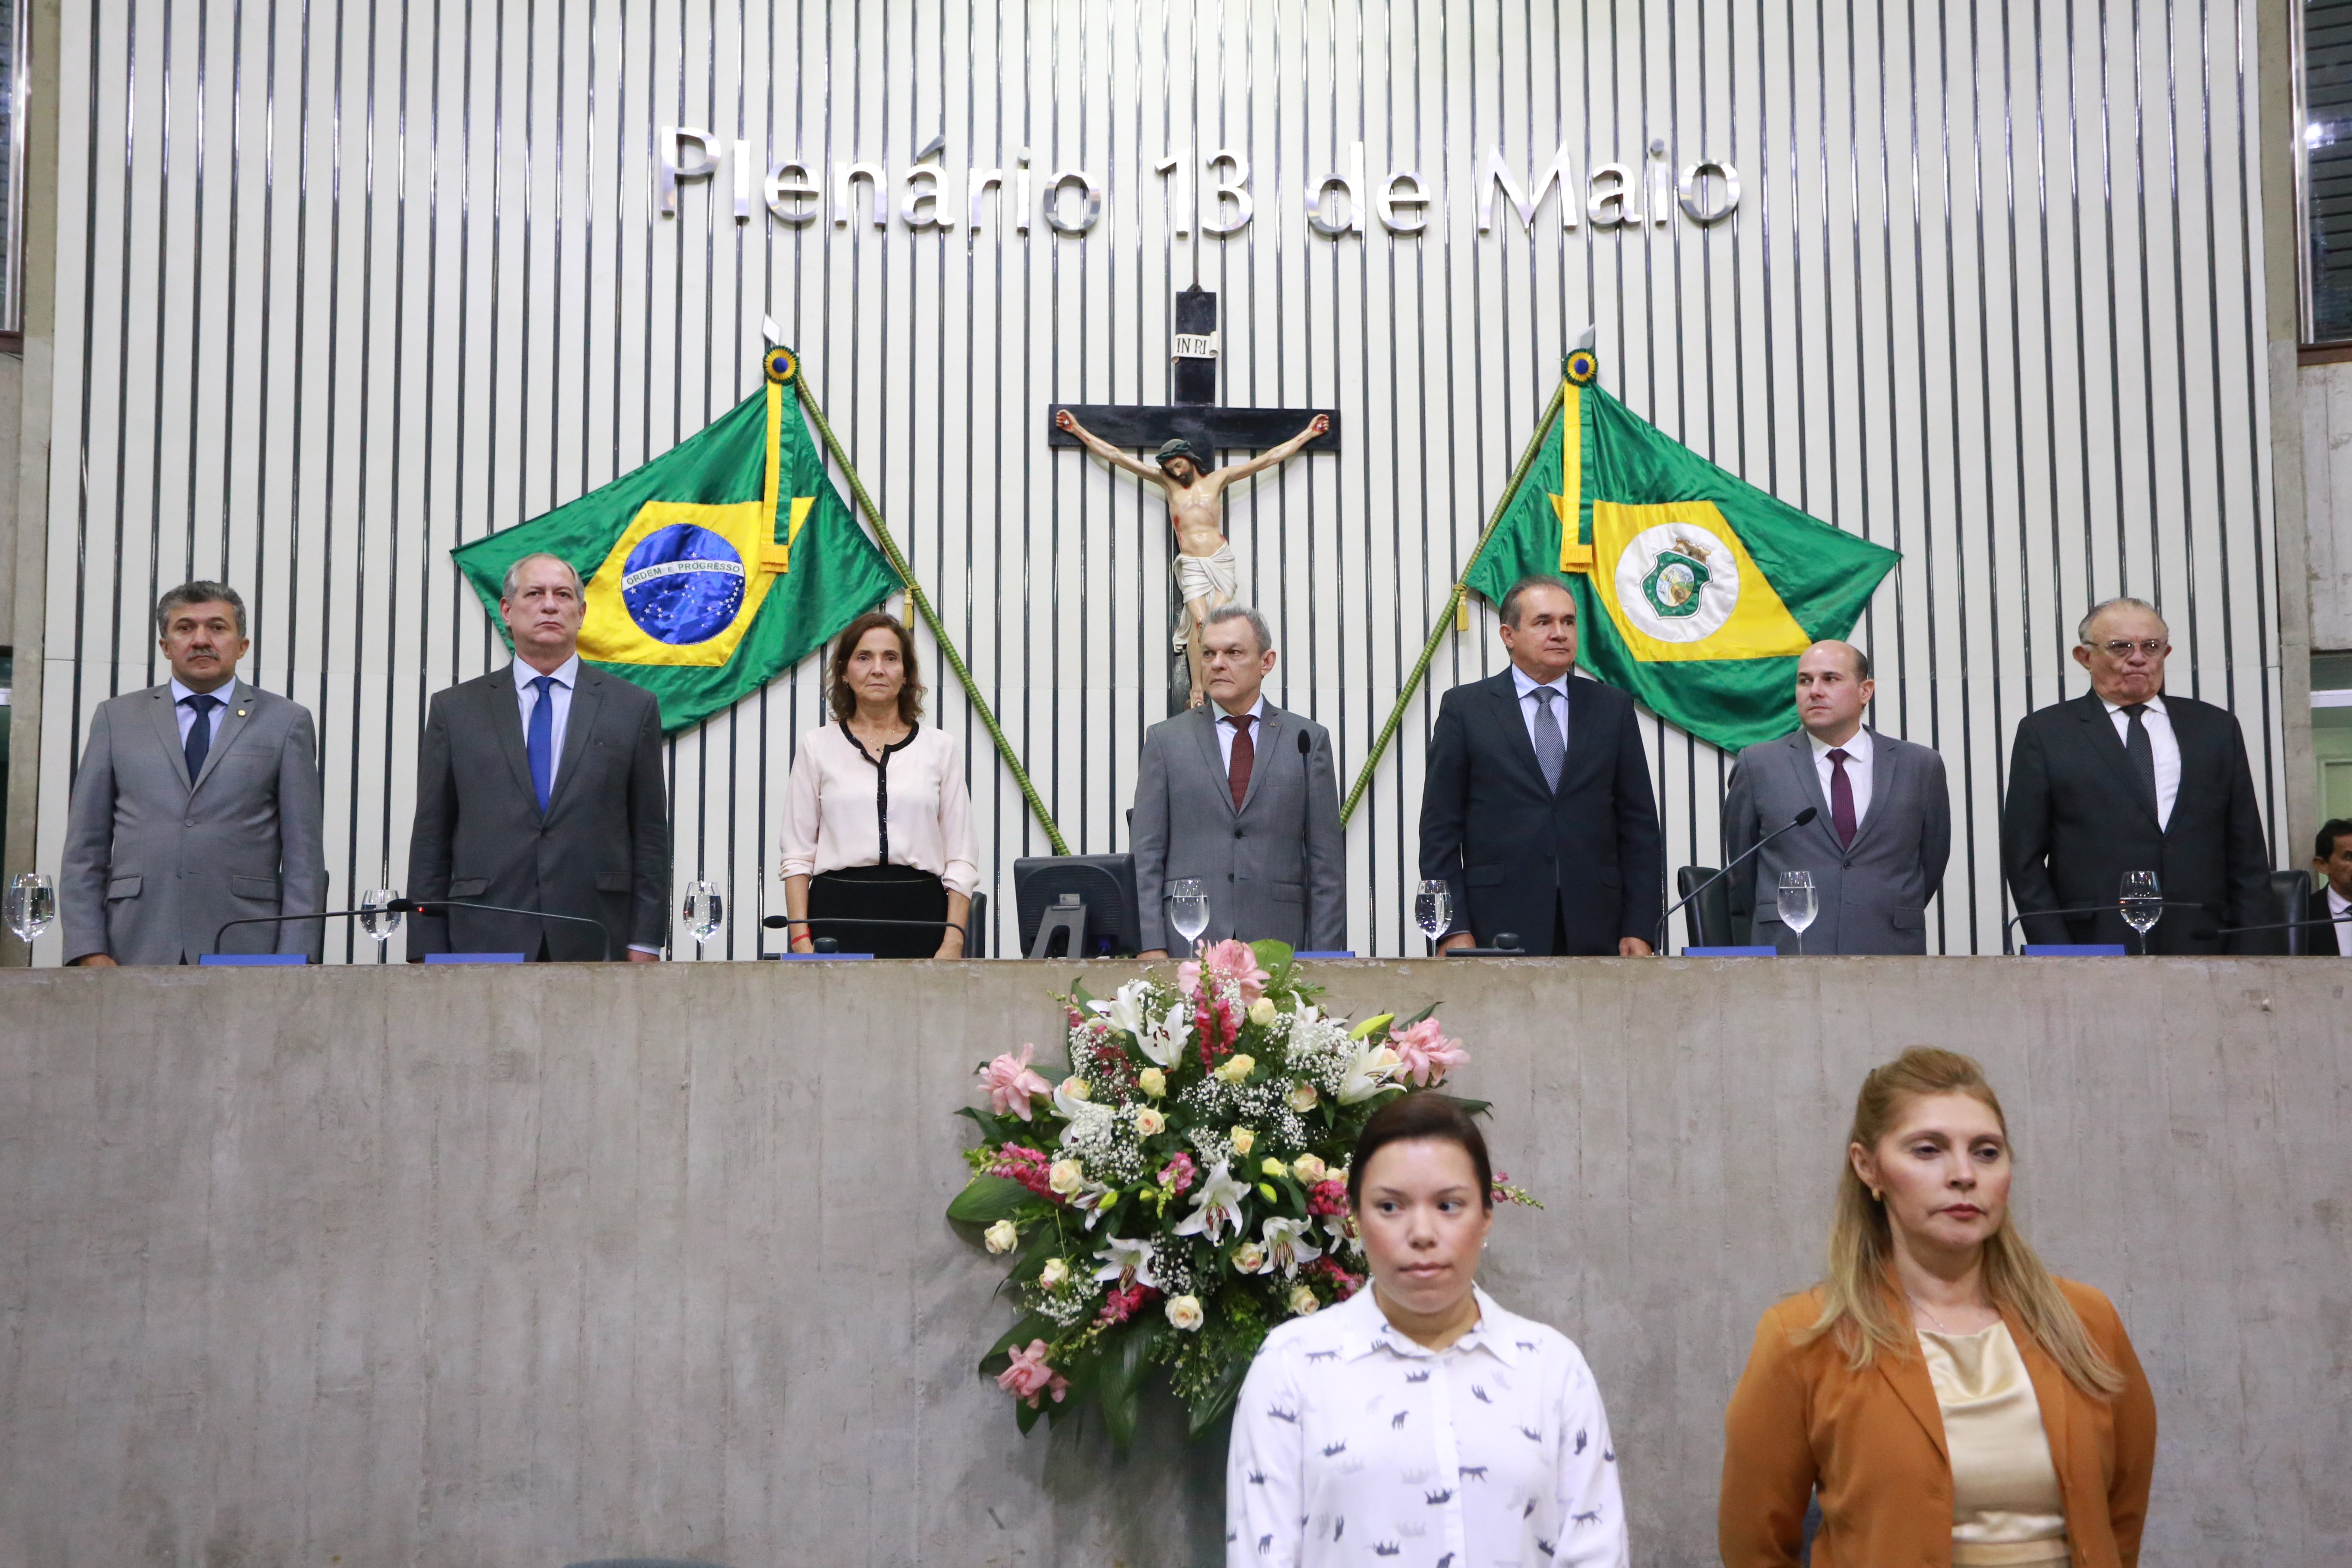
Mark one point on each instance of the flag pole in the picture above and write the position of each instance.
(930, 618)
(1452, 600)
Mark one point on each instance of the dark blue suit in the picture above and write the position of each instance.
(1585, 860)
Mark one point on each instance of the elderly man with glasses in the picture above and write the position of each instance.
(2129, 778)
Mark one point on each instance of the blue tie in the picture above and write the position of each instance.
(541, 741)
(200, 733)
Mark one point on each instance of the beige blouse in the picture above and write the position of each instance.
(843, 809)
(2006, 1506)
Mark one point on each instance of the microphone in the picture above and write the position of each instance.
(434, 907)
(778, 922)
(1794, 823)
(281, 919)
(2331, 923)
(2115, 907)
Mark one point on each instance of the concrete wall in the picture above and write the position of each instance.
(517, 1268)
(2327, 499)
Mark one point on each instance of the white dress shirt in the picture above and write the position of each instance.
(1225, 733)
(567, 676)
(1353, 1444)
(833, 808)
(2163, 743)
(1531, 710)
(187, 715)
(1857, 770)
(2337, 905)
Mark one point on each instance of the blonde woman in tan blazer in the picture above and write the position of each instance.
(1950, 1401)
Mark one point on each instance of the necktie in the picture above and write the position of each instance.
(1237, 771)
(1551, 746)
(2142, 751)
(1840, 798)
(200, 733)
(541, 742)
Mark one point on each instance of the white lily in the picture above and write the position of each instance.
(1370, 1073)
(1287, 1244)
(1089, 1199)
(1164, 1041)
(1216, 1204)
(1127, 1009)
(1128, 1259)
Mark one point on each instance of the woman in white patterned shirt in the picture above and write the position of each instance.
(1417, 1423)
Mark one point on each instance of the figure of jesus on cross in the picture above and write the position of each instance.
(1207, 575)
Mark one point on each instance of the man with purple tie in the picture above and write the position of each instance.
(1882, 830)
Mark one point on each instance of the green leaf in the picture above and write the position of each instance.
(992, 1128)
(1363, 1031)
(987, 1199)
(1424, 1013)
(1122, 1380)
(1277, 959)
(1026, 1413)
(1218, 1397)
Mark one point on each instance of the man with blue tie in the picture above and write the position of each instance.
(539, 787)
(197, 803)
(1536, 810)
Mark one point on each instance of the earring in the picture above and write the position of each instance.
(1876, 1196)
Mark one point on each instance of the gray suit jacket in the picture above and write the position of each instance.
(155, 866)
(600, 851)
(1871, 896)
(1276, 869)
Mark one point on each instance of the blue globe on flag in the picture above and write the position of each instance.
(683, 584)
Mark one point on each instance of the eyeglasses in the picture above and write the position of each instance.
(2153, 647)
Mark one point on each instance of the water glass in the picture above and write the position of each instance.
(1797, 904)
(1188, 908)
(1433, 909)
(2142, 902)
(378, 919)
(705, 910)
(32, 904)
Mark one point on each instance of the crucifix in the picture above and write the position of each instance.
(1186, 437)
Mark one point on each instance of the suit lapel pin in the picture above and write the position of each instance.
(240, 712)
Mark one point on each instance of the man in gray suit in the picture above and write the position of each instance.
(538, 786)
(1244, 797)
(197, 803)
(1877, 848)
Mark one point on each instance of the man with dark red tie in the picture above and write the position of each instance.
(1245, 798)
(1882, 831)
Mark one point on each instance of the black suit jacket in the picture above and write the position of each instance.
(2319, 942)
(2074, 823)
(1508, 846)
(602, 850)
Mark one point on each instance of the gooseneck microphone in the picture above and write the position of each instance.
(432, 907)
(1794, 823)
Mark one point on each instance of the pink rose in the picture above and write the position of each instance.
(1227, 960)
(1009, 1082)
(1427, 1055)
(1029, 1376)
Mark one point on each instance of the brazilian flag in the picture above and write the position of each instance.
(1695, 590)
(713, 569)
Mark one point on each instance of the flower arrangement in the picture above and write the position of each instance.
(1183, 1187)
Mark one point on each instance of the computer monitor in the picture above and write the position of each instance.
(1105, 883)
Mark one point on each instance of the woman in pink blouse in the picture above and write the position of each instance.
(877, 822)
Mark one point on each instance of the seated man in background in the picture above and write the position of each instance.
(1244, 797)
(1882, 830)
(197, 803)
(2331, 868)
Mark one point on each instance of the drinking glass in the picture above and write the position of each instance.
(1188, 908)
(706, 909)
(2142, 902)
(1797, 904)
(378, 919)
(32, 905)
(1433, 909)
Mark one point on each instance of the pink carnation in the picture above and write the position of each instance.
(1328, 1197)
(1227, 960)
(1427, 1055)
(1029, 1376)
(1177, 1173)
(1120, 1304)
(1010, 1081)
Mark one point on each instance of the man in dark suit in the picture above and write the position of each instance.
(2129, 778)
(1536, 811)
(538, 786)
(2331, 868)
(1881, 832)
(196, 804)
(1244, 797)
